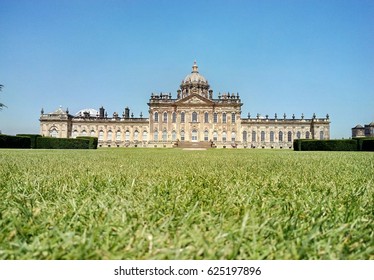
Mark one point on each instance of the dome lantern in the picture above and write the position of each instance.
(195, 83)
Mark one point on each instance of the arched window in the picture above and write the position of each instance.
(92, 133)
(182, 135)
(174, 117)
(101, 135)
(155, 136)
(164, 135)
(224, 117)
(127, 135)
(224, 136)
(136, 135)
(233, 117)
(173, 135)
(84, 133)
(206, 117)
(298, 135)
(280, 136)
(206, 135)
(156, 116)
(53, 133)
(244, 136)
(183, 117)
(307, 135)
(75, 133)
(289, 136)
(253, 136)
(215, 136)
(233, 136)
(271, 136)
(118, 135)
(109, 135)
(262, 136)
(215, 117)
(165, 117)
(145, 135)
(321, 135)
(194, 116)
(194, 135)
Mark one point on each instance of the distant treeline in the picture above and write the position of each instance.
(355, 144)
(36, 141)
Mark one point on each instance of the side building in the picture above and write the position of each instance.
(363, 131)
(193, 118)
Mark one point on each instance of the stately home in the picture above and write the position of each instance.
(363, 131)
(193, 118)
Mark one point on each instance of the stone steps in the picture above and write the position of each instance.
(196, 145)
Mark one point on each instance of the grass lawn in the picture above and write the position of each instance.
(176, 204)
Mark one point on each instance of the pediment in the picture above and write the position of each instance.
(194, 99)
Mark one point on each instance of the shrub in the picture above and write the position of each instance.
(93, 141)
(367, 144)
(17, 142)
(32, 139)
(325, 145)
(61, 143)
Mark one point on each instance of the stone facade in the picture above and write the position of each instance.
(363, 131)
(193, 117)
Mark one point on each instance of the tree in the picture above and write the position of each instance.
(1, 104)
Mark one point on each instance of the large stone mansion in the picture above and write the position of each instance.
(195, 117)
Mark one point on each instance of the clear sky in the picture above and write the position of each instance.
(292, 57)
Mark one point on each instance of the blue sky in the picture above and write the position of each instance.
(288, 57)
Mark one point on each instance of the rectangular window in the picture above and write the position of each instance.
(253, 136)
(174, 117)
(271, 136)
(194, 117)
(182, 117)
(224, 117)
(223, 136)
(244, 136)
(215, 136)
(233, 117)
(164, 136)
(233, 137)
(206, 118)
(215, 118)
(206, 135)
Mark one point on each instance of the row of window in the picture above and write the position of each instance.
(118, 135)
(194, 117)
(194, 135)
(280, 136)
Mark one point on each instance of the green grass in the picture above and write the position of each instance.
(176, 204)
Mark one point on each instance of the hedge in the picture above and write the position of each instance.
(61, 143)
(93, 141)
(17, 142)
(356, 144)
(32, 139)
(367, 145)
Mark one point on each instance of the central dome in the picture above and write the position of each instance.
(87, 113)
(194, 77)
